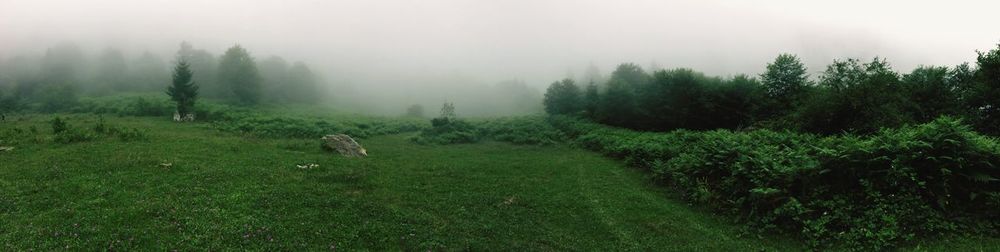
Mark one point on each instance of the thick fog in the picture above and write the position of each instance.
(381, 56)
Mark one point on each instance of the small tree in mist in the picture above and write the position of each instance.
(112, 71)
(448, 111)
(183, 91)
(148, 72)
(205, 64)
(562, 97)
(301, 84)
(415, 110)
(446, 117)
(448, 129)
(591, 99)
(238, 71)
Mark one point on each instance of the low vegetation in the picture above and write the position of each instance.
(191, 187)
(895, 187)
(524, 130)
(256, 121)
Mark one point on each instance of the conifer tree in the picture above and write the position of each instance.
(183, 90)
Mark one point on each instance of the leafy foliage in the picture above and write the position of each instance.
(871, 193)
(849, 97)
(855, 97)
(984, 99)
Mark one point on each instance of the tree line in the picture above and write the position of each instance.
(850, 96)
(55, 80)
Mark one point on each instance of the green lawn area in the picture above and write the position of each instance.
(227, 191)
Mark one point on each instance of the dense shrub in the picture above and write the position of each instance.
(58, 125)
(523, 130)
(526, 130)
(445, 130)
(873, 192)
(261, 124)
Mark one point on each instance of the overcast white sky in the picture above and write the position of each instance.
(535, 40)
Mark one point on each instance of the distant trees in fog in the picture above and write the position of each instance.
(562, 97)
(54, 80)
(284, 83)
(238, 71)
(415, 110)
(849, 96)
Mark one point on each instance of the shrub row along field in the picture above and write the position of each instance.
(524, 130)
(254, 122)
(876, 192)
(303, 123)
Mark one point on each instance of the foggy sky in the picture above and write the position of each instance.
(389, 43)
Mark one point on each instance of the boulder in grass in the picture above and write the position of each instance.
(344, 144)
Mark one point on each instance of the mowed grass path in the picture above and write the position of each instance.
(225, 191)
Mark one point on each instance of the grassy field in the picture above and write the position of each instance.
(191, 187)
(229, 191)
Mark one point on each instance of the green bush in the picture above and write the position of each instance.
(870, 193)
(526, 130)
(523, 130)
(58, 125)
(260, 124)
(448, 131)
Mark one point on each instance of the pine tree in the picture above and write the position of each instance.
(183, 91)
